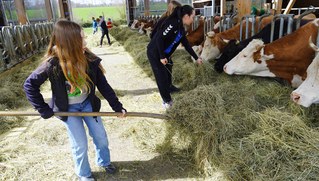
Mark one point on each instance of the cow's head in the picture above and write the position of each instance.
(308, 92)
(141, 29)
(212, 46)
(250, 61)
(230, 51)
(134, 24)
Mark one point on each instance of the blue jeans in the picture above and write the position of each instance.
(79, 142)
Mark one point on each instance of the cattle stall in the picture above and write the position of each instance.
(24, 33)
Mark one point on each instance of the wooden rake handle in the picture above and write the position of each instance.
(111, 114)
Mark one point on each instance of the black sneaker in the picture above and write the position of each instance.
(172, 89)
(90, 178)
(110, 169)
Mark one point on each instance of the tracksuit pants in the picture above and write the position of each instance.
(162, 74)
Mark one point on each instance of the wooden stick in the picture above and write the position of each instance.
(111, 114)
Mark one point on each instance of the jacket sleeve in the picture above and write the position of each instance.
(164, 34)
(107, 91)
(32, 89)
(188, 48)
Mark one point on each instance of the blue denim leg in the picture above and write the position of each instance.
(98, 133)
(78, 139)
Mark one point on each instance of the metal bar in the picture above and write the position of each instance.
(247, 27)
(309, 11)
(253, 26)
(289, 28)
(241, 29)
(282, 17)
(112, 114)
(272, 29)
(213, 8)
(281, 28)
(317, 40)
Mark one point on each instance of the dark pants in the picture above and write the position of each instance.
(169, 68)
(162, 75)
(105, 32)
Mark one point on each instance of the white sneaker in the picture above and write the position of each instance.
(167, 105)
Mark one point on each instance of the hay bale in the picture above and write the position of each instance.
(209, 115)
(282, 147)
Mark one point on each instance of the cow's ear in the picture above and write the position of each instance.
(210, 34)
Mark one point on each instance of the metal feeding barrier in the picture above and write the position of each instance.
(247, 19)
(17, 43)
(111, 114)
(282, 18)
(310, 10)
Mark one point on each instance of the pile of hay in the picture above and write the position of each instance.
(11, 89)
(186, 74)
(282, 147)
(245, 127)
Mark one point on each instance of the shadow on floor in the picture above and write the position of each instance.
(158, 168)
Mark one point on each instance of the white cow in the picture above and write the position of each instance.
(308, 92)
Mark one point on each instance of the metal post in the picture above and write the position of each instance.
(309, 11)
(282, 17)
(213, 8)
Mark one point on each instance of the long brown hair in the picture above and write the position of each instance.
(170, 8)
(67, 45)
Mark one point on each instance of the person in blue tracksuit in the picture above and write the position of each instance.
(169, 66)
(74, 73)
(164, 43)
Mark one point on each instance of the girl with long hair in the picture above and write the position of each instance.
(74, 72)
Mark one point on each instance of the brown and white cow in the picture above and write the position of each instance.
(215, 43)
(308, 92)
(286, 58)
(145, 25)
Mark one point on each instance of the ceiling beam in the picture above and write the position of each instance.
(289, 6)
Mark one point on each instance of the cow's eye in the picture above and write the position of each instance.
(244, 56)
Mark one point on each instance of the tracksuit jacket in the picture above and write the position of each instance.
(52, 70)
(168, 35)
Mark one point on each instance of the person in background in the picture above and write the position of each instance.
(169, 66)
(164, 43)
(109, 23)
(74, 72)
(104, 30)
(94, 25)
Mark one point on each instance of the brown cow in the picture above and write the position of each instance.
(215, 43)
(286, 58)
